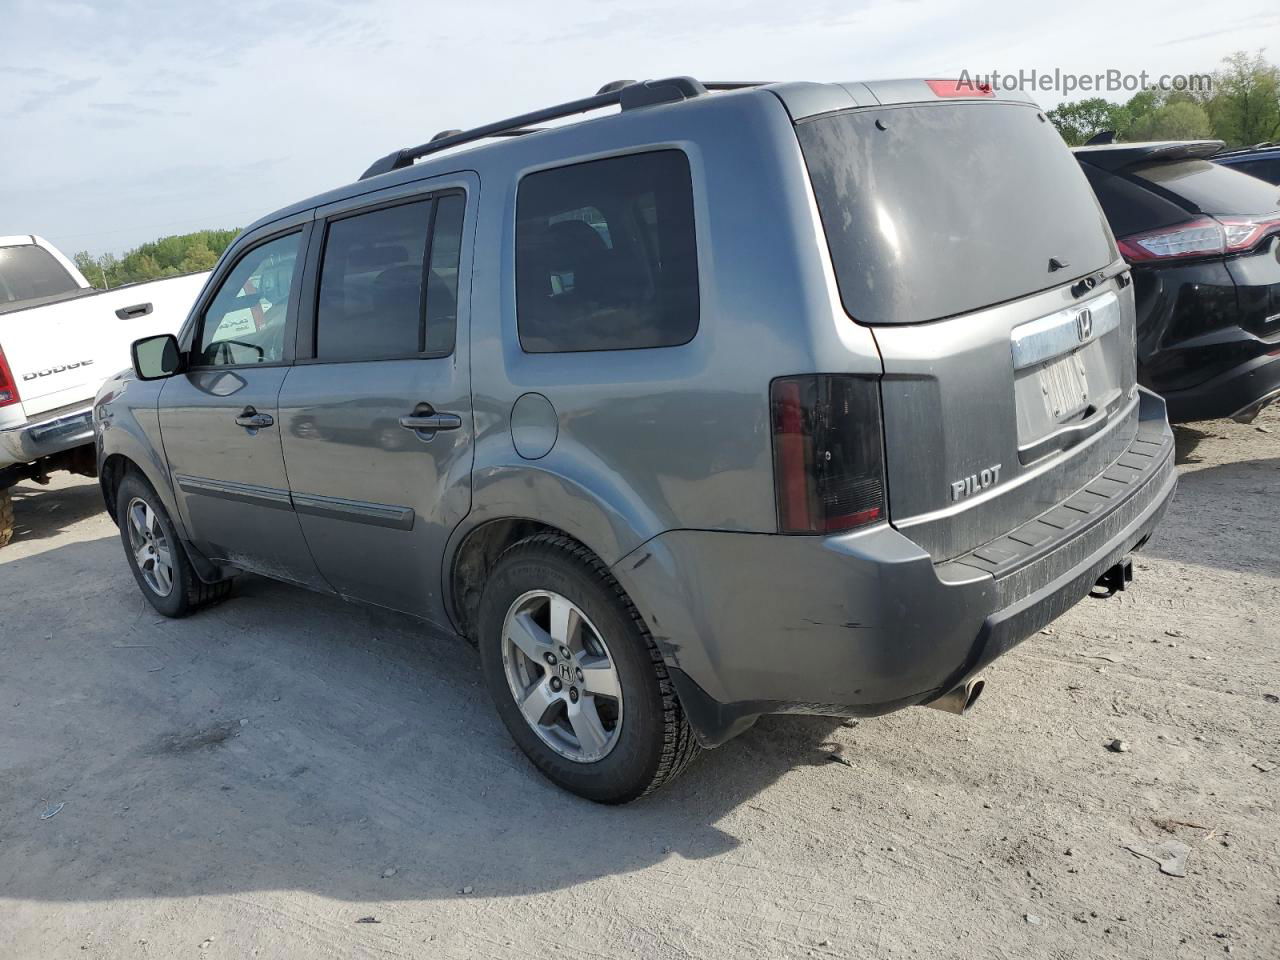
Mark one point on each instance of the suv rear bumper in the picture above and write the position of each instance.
(44, 438)
(866, 623)
(1239, 393)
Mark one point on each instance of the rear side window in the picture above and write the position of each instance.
(933, 210)
(29, 272)
(389, 282)
(1131, 208)
(605, 255)
(1211, 187)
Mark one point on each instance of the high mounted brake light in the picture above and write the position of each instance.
(1203, 237)
(828, 460)
(8, 386)
(960, 88)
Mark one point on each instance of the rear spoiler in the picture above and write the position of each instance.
(1117, 156)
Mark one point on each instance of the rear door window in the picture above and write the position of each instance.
(389, 282)
(933, 210)
(1211, 187)
(605, 255)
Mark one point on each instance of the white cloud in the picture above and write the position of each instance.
(126, 119)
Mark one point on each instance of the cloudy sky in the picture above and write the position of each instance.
(124, 120)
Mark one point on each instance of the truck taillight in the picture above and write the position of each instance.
(828, 455)
(8, 385)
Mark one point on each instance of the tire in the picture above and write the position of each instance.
(186, 592)
(6, 517)
(648, 741)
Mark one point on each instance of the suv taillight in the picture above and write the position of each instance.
(1203, 237)
(8, 386)
(828, 455)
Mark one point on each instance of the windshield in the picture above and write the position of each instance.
(936, 210)
(29, 272)
(1212, 188)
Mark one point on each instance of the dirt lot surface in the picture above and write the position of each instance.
(264, 777)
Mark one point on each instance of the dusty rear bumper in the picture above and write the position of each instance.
(43, 438)
(866, 623)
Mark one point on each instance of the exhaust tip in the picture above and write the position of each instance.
(960, 700)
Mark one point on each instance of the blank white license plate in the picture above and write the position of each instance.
(1065, 387)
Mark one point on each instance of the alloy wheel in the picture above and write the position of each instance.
(152, 551)
(562, 676)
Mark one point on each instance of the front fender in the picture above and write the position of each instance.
(126, 423)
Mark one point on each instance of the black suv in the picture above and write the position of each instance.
(1261, 161)
(1204, 243)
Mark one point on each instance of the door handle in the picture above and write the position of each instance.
(424, 421)
(137, 310)
(253, 420)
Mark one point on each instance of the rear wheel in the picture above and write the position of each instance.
(156, 556)
(6, 517)
(575, 675)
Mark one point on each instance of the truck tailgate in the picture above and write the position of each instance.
(61, 352)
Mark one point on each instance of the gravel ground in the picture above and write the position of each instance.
(265, 777)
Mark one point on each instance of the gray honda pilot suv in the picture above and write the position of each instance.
(739, 399)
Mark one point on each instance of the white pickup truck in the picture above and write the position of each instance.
(59, 340)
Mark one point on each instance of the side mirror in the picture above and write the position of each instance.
(155, 358)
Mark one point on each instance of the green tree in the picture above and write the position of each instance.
(1079, 120)
(165, 257)
(1245, 104)
(1178, 120)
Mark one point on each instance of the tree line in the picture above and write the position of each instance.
(166, 257)
(1241, 106)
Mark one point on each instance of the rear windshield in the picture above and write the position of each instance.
(935, 210)
(1212, 188)
(29, 272)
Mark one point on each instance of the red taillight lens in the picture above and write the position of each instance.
(1204, 237)
(1243, 233)
(1198, 238)
(828, 460)
(8, 386)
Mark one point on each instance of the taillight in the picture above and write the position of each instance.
(1204, 237)
(8, 386)
(828, 461)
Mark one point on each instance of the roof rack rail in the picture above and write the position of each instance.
(627, 94)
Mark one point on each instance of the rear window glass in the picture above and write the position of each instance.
(605, 255)
(29, 272)
(1267, 169)
(937, 210)
(1211, 187)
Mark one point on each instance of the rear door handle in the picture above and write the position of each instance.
(253, 420)
(435, 421)
(424, 421)
(137, 310)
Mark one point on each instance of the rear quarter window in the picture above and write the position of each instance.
(933, 210)
(605, 255)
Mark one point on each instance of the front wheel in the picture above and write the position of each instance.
(156, 556)
(576, 676)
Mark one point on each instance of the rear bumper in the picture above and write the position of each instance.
(866, 623)
(43, 438)
(1238, 393)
